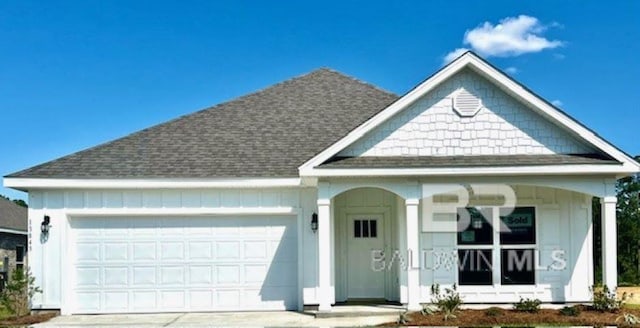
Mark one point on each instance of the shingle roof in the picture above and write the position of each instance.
(12, 216)
(461, 161)
(269, 133)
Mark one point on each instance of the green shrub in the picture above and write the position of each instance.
(527, 305)
(493, 312)
(18, 292)
(570, 311)
(448, 303)
(605, 300)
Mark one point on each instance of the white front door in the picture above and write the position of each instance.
(365, 242)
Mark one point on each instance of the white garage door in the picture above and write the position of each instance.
(147, 264)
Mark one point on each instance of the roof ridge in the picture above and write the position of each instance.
(355, 79)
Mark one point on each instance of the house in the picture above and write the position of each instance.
(323, 189)
(13, 237)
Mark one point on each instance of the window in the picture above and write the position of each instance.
(475, 234)
(517, 266)
(365, 228)
(475, 267)
(514, 249)
(474, 226)
(19, 257)
(518, 227)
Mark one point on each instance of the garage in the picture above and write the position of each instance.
(183, 264)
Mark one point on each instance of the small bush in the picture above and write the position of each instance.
(427, 310)
(527, 305)
(629, 319)
(605, 300)
(570, 311)
(18, 292)
(448, 303)
(403, 318)
(493, 312)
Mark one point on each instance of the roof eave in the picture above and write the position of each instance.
(617, 171)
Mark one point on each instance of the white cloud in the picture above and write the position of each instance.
(511, 70)
(454, 54)
(556, 103)
(513, 36)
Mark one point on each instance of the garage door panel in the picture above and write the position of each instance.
(116, 277)
(88, 252)
(172, 250)
(227, 250)
(200, 275)
(88, 277)
(144, 251)
(184, 264)
(201, 299)
(255, 249)
(200, 250)
(115, 301)
(116, 251)
(144, 276)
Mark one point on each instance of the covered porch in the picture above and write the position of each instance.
(382, 239)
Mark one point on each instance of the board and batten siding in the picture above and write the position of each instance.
(49, 259)
(563, 220)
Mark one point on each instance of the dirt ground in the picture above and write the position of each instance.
(468, 318)
(27, 320)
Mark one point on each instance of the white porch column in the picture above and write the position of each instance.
(324, 255)
(413, 252)
(609, 242)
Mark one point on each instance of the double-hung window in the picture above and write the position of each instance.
(489, 234)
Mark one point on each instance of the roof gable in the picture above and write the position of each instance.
(470, 61)
(498, 125)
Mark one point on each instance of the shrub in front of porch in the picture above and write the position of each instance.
(448, 302)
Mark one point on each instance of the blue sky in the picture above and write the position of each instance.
(74, 74)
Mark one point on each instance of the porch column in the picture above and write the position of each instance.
(609, 242)
(324, 255)
(413, 253)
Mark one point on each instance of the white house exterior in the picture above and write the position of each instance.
(216, 211)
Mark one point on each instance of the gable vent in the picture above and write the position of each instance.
(466, 104)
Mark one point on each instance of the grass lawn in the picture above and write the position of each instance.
(4, 314)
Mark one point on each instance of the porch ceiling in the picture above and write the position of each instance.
(379, 162)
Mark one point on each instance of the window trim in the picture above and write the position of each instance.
(496, 248)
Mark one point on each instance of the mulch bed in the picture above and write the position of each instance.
(27, 320)
(468, 318)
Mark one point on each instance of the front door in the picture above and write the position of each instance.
(365, 242)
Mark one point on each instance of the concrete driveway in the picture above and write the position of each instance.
(230, 319)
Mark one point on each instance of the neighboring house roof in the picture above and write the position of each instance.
(269, 133)
(12, 216)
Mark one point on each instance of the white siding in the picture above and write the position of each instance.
(563, 223)
(431, 127)
(48, 262)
